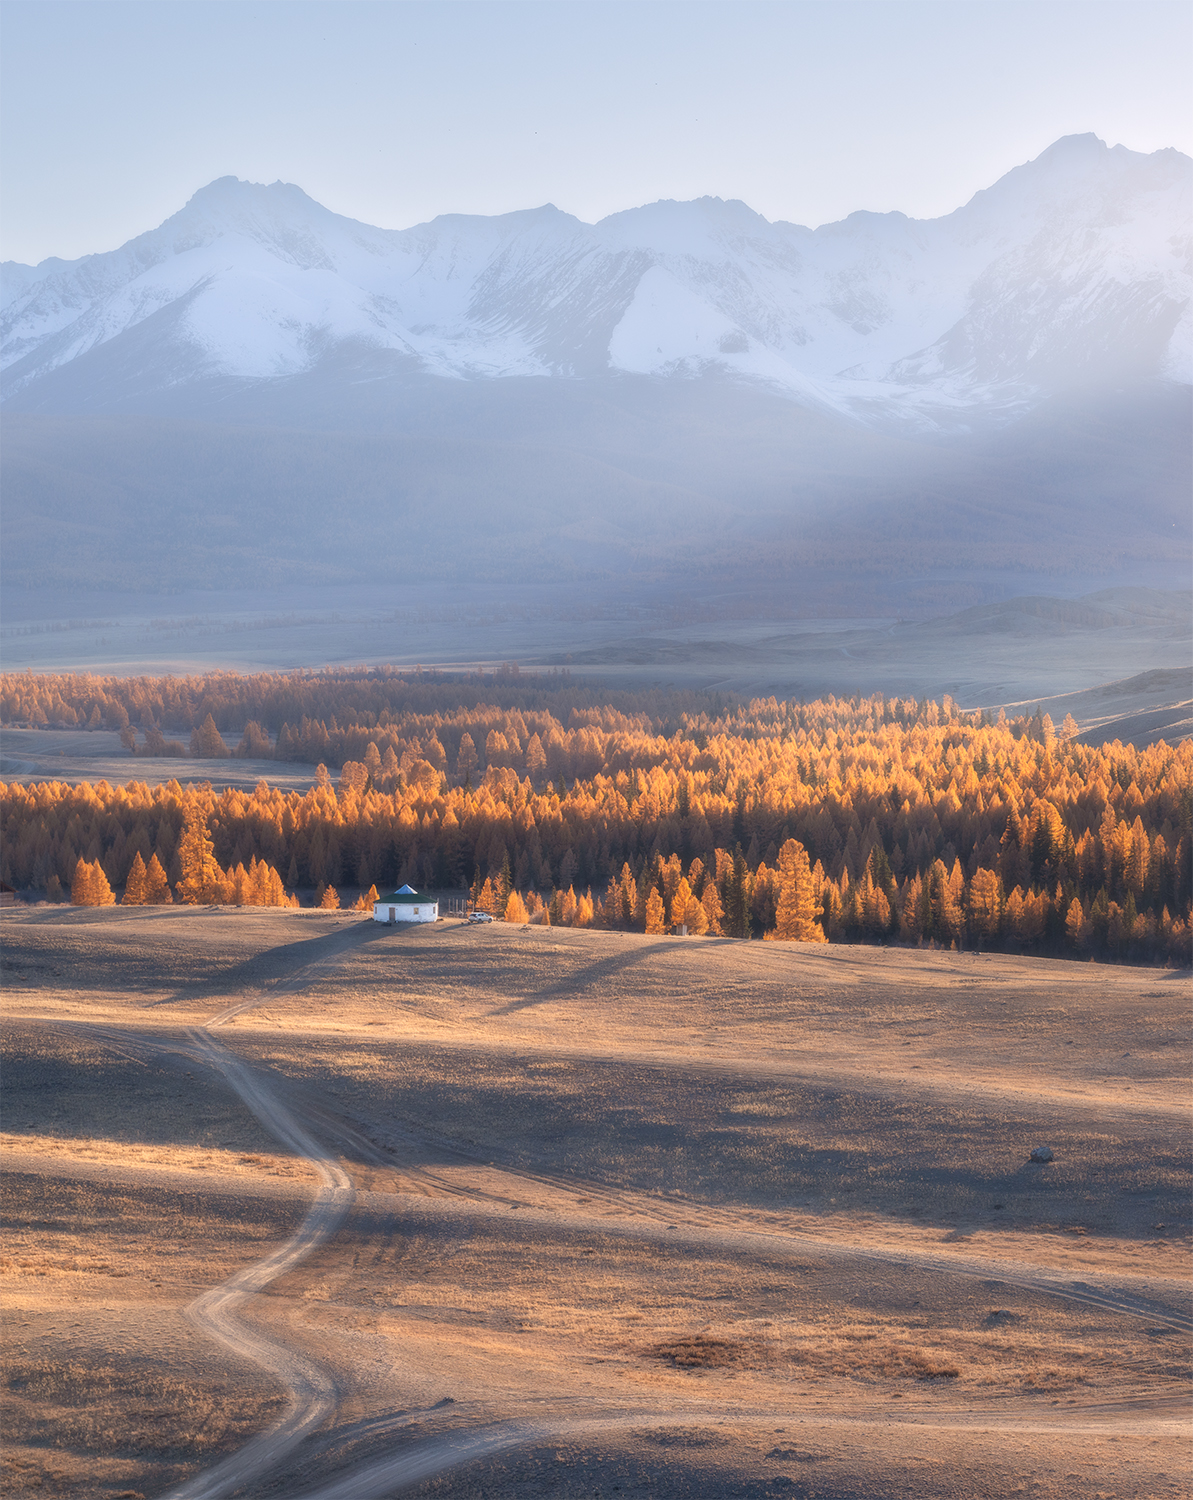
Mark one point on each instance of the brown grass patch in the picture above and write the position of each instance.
(128, 1411)
(687, 1437)
(865, 1352)
(699, 1352)
(860, 1353)
(178, 1158)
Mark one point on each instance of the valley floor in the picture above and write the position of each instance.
(1118, 658)
(300, 1205)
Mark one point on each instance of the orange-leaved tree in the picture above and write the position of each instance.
(207, 742)
(90, 885)
(985, 905)
(202, 879)
(796, 916)
(489, 900)
(157, 884)
(134, 886)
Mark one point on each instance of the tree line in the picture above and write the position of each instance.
(506, 718)
(390, 702)
(918, 823)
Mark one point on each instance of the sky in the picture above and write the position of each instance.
(113, 114)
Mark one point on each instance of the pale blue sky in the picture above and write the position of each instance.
(113, 114)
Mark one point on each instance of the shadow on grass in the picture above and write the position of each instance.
(582, 979)
(722, 1140)
(276, 969)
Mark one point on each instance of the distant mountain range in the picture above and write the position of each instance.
(1075, 266)
(882, 393)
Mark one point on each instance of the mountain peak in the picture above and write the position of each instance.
(1084, 143)
(239, 187)
(233, 194)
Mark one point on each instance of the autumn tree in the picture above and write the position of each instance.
(254, 743)
(687, 910)
(157, 884)
(467, 759)
(90, 885)
(354, 777)
(134, 886)
(655, 912)
(710, 900)
(911, 914)
(985, 905)
(100, 888)
(536, 759)
(796, 916)
(515, 909)
(367, 900)
(207, 743)
(202, 879)
(611, 910)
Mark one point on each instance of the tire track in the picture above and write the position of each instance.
(312, 1391)
(435, 1455)
(218, 1312)
(706, 1233)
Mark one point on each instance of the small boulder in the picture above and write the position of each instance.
(1041, 1153)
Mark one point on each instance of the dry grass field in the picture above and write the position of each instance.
(297, 1205)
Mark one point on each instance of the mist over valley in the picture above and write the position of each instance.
(683, 412)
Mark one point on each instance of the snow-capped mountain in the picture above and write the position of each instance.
(1072, 269)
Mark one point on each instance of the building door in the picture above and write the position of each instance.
(393, 913)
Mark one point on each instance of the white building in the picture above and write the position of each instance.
(405, 905)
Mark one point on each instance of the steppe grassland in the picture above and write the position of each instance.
(124, 1198)
(537, 1307)
(604, 1083)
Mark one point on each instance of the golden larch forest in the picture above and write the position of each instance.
(872, 819)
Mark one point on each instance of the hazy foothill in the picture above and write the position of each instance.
(784, 635)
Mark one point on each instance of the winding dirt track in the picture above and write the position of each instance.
(226, 1312)
(221, 1312)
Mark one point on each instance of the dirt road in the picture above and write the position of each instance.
(485, 1282)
